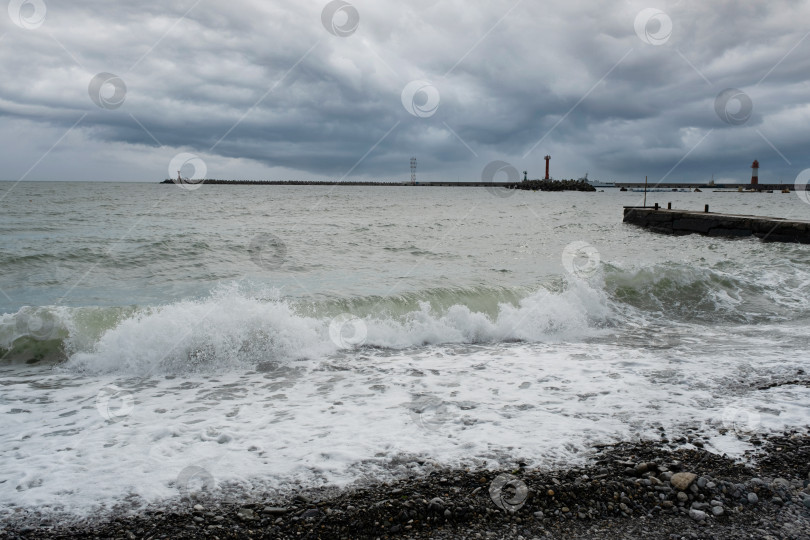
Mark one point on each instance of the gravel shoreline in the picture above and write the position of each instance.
(631, 490)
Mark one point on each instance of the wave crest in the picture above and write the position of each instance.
(232, 328)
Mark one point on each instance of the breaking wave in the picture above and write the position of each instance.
(234, 329)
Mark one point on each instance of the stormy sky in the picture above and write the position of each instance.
(299, 90)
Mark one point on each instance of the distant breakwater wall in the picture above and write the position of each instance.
(669, 221)
(529, 185)
(555, 185)
(280, 183)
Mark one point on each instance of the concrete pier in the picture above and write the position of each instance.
(668, 221)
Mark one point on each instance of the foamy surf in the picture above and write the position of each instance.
(357, 414)
(233, 329)
(262, 392)
(236, 327)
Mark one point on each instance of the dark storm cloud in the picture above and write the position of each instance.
(268, 84)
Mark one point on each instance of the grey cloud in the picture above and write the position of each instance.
(502, 87)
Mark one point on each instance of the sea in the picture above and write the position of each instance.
(159, 342)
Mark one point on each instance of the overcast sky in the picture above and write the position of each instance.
(309, 89)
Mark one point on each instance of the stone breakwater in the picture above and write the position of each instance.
(639, 490)
(555, 185)
(528, 185)
(668, 221)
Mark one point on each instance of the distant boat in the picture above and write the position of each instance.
(596, 183)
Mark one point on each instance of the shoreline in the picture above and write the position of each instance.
(641, 489)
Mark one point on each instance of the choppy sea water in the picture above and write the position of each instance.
(235, 339)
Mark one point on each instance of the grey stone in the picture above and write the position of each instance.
(682, 480)
(246, 513)
(718, 510)
(436, 504)
(780, 483)
(752, 498)
(697, 515)
(274, 510)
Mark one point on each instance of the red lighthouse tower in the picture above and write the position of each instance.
(547, 158)
(755, 173)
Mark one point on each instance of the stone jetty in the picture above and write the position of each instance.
(668, 221)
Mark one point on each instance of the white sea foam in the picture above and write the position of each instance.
(355, 414)
(258, 395)
(236, 328)
(232, 330)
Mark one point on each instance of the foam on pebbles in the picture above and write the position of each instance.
(639, 488)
